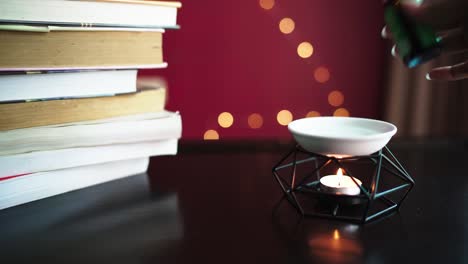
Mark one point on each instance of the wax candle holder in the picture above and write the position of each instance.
(385, 184)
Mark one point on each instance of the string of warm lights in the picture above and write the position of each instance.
(305, 50)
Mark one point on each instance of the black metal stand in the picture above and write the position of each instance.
(385, 184)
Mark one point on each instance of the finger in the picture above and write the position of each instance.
(449, 73)
(385, 33)
(454, 41)
(438, 14)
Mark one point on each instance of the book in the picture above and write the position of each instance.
(50, 112)
(40, 161)
(147, 14)
(125, 129)
(83, 49)
(40, 185)
(50, 85)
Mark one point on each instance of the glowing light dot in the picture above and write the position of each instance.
(284, 117)
(322, 75)
(305, 50)
(225, 119)
(211, 135)
(286, 25)
(341, 112)
(336, 235)
(267, 4)
(335, 98)
(313, 114)
(255, 121)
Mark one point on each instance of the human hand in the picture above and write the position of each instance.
(449, 18)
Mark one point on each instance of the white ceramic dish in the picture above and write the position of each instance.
(341, 136)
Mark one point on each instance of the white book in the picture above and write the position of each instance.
(125, 129)
(20, 87)
(90, 13)
(35, 186)
(50, 28)
(40, 161)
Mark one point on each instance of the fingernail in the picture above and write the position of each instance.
(393, 51)
(414, 3)
(428, 76)
(382, 33)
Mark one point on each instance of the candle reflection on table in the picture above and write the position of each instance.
(335, 247)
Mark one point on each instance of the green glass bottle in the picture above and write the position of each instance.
(416, 43)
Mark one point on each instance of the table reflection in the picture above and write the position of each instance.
(338, 245)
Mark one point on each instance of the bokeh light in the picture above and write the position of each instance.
(321, 74)
(225, 119)
(267, 4)
(255, 121)
(341, 112)
(211, 135)
(284, 117)
(336, 234)
(335, 98)
(313, 114)
(286, 25)
(305, 50)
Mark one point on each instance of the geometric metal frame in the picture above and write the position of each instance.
(309, 184)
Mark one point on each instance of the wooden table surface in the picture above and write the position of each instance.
(215, 203)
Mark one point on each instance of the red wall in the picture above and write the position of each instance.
(231, 56)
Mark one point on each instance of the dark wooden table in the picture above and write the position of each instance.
(214, 203)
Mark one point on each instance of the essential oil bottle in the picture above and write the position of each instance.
(416, 43)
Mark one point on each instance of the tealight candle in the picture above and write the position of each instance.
(340, 184)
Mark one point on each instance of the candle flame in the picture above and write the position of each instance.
(339, 172)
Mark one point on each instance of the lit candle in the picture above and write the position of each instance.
(340, 184)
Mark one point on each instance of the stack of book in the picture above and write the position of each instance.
(72, 113)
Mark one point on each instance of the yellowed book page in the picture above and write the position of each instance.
(85, 49)
(43, 113)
